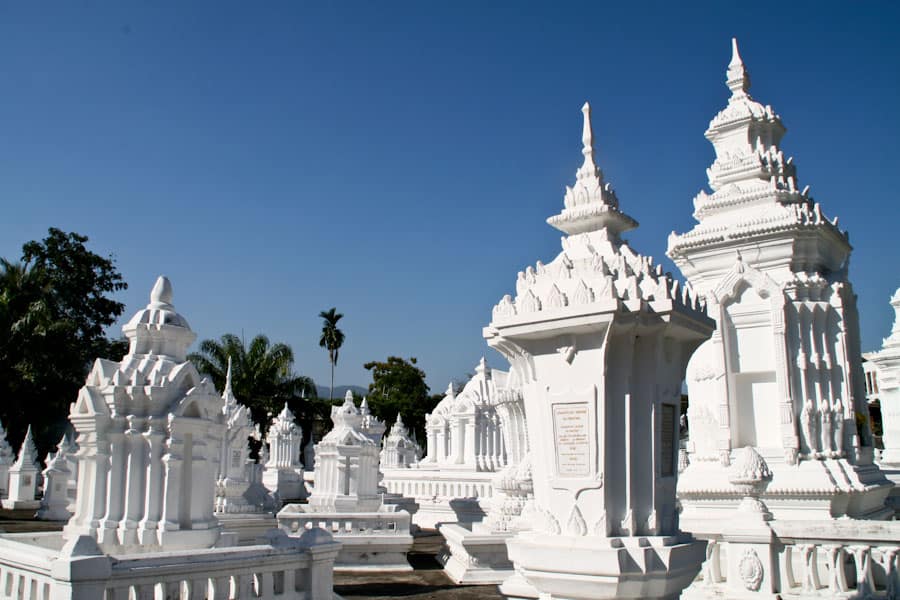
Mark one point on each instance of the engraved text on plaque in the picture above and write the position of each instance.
(571, 428)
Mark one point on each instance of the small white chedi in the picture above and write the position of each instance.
(7, 458)
(399, 450)
(887, 362)
(477, 553)
(58, 477)
(345, 499)
(236, 490)
(782, 371)
(601, 337)
(24, 477)
(283, 474)
(452, 483)
(371, 426)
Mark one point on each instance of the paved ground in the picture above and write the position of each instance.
(426, 581)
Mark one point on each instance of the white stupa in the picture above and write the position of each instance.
(782, 371)
(160, 424)
(283, 473)
(347, 502)
(887, 361)
(7, 458)
(600, 337)
(399, 450)
(24, 477)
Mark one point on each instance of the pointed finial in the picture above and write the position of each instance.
(161, 294)
(587, 135)
(399, 419)
(228, 393)
(737, 80)
(364, 406)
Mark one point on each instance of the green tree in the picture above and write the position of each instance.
(55, 306)
(398, 386)
(332, 339)
(262, 374)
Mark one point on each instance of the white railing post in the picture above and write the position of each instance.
(811, 580)
(863, 558)
(837, 578)
(80, 572)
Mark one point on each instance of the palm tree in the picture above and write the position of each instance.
(262, 374)
(332, 339)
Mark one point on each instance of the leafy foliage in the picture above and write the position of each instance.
(262, 374)
(332, 339)
(398, 386)
(54, 310)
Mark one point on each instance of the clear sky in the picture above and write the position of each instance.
(397, 159)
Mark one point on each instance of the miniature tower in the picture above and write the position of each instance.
(346, 499)
(24, 477)
(309, 453)
(7, 458)
(284, 473)
(887, 361)
(234, 477)
(372, 426)
(149, 428)
(399, 450)
(782, 371)
(346, 465)
(463, 431)
(601, 338)
(55, 501)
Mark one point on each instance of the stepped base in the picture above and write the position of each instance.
(9, 504)
(475, 558)
(594, 568)
(250, 528)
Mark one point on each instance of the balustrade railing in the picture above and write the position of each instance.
(831, 559)
(284, 570)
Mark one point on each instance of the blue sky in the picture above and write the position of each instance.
(397, 159)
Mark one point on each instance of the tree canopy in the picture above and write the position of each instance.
(262, 374)
(55, 306)
(398, 386)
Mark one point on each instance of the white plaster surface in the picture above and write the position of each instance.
(601, 337)
(782, 371)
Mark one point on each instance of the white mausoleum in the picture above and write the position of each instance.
(346, 501)
(601, 337)
(782, 371)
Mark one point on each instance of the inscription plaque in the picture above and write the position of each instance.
(571, 429)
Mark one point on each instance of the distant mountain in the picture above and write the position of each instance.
(341, 390)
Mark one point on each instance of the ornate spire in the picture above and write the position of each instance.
(738, 79)
(228, 393)
(28, 456)
(590, 204)
(587, 138)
